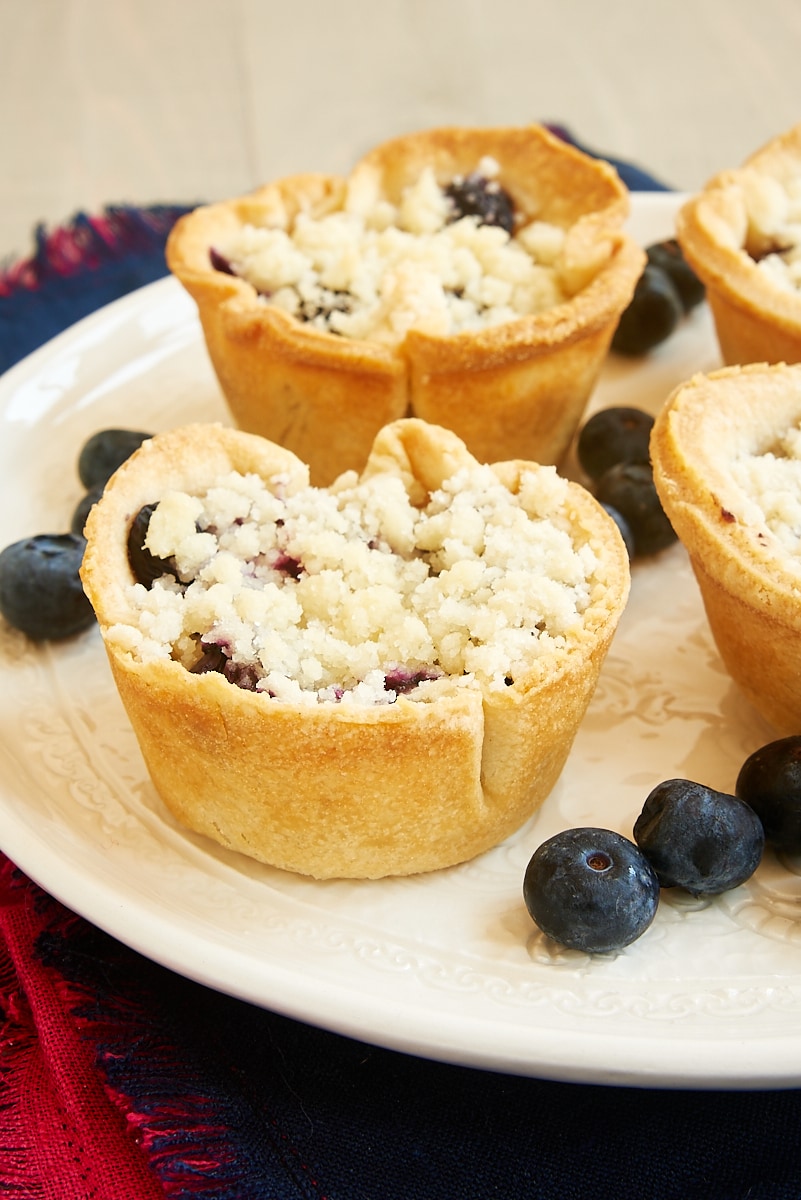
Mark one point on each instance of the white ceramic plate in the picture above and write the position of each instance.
(446, 965)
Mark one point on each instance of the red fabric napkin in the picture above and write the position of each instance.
(61, 1135)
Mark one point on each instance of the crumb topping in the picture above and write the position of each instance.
(773, 237)
(772, 482)
(376, 274)
(353, 595)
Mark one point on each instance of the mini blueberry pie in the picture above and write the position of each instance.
(470, 277)
(380, 677)
(742, 236)
(726, 453)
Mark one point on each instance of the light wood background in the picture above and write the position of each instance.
(145, 101)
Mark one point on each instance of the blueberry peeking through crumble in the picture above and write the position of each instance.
(146, 566)
(356, 595)
(474, 195)
(219, 656)
(323, 305)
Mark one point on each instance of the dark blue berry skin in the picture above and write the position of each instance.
(214, 659)
(652, 315)
(591, 890)
(220, 262)
(104, 452)
(629, 487)
(770, 781)
(476, 196)
(624, 527)
(82, 510)
(146, 566)
(699, 839)
(40, 586)
(669, 257)
(611, 436)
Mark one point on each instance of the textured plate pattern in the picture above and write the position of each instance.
(446, 965)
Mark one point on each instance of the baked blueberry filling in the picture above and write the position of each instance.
(402, 680)
(446, 258)
(147, 567)
(215, 658)
(474, 195)
(354, 594)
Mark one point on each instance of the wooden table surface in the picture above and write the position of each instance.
(145, 101)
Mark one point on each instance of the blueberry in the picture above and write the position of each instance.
(288, 565)
(629, 487)
(220, 262)
(146, 567)
(327, 303)
(476, 196)
(611, 436)
(591, 890)
(652, 315)
(215, 659)
(624, 527)
(83, 508)
(668, 256)
(770, 781)
(698, 839)
(104, 452)
(40, 586)
(403, 680)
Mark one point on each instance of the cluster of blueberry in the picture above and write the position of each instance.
(597, 891)
(612, 450)
(667, 290)
(40, 585)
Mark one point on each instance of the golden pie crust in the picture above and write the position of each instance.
(343, 791)
(755, 319)
(751, 586)
(516, 389)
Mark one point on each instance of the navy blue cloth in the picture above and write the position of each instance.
(290, 1112)
(78, 268)
(634, 177)
(287, 1111)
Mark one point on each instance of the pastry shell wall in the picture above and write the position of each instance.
(720, 235)
(750, 585)
(512, 390)
(331, 790)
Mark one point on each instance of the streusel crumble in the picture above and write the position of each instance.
(381, 271)
(353, 594)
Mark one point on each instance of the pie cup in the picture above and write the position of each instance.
(738, 218)
(707, 434)
(335, 790)
(513, 389)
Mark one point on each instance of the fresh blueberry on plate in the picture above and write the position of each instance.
(591, 889)
(770, 781)
(83, 508)
(669, 257)
(652, 315)
(629, 488)
(40, 586)
(104, 452)
(611, 436)
(699, 839)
